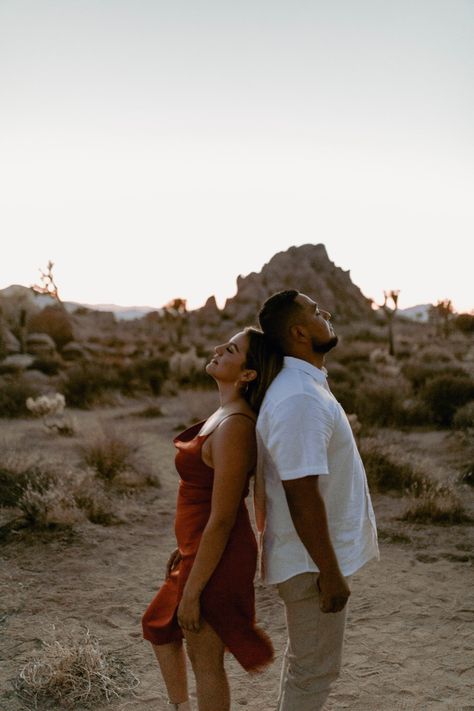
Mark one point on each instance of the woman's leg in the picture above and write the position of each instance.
(206, 652)
(172, 661)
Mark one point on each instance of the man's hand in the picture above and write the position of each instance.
(333, 592)
(173, 561)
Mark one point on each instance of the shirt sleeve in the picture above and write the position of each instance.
(302, 426)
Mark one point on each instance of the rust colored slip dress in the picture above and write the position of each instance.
(227, 601)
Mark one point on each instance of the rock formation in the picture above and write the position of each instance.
(308, 269)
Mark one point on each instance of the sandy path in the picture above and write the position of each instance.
(410, 639)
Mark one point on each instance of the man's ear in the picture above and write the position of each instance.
(298, 333)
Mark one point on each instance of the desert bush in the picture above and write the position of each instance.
(15, 473)
(436, 504)
(150, 411)
(108, 454)
(151, 373)
(74, 672)
(55, 321)
(114, 457)
(47, 496)
(434, 353)
(189, 369)
(96, 503)
(445, 394)
(388, 469)
(48, 500)
(419, 372)
(463, 418)
(48, 366)
(14, 392)
(352, 354)
(380, 401)
(85, 384)
(342, 382)
(51, 409)
(365, 332)
(464, 323)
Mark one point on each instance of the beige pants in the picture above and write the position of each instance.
(312, 660)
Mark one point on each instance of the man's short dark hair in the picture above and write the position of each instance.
(276, 316)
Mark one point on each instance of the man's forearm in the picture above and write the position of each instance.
(310, 520)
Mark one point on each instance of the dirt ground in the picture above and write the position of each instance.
(410, 636)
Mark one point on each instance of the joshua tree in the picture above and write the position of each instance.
(175, 313)
(48, 285)
(390, 312)
(442, 313)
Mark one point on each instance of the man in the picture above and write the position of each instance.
(319, 523)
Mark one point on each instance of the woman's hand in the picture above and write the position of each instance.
(189, 612)
(173, 561)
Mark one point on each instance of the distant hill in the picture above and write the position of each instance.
(418, 313)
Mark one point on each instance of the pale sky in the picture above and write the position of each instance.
(156, 149)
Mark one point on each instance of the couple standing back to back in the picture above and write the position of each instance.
(313, 511)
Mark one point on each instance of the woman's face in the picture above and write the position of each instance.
(229, 358)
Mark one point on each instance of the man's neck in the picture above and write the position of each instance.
(316, 359)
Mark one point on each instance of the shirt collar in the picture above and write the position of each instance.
(318, 374)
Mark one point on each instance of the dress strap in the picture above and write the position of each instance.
(232, 414)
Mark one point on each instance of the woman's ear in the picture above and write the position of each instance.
(248, 375)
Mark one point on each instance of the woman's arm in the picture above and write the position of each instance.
(233, 450)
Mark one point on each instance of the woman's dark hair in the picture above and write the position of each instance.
(266, 360)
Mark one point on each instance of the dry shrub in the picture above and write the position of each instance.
(149, 411)
(388, 468)
(15, 473)
(48, 500)
(114, 457)
(48, 496)
(55, 321)
(74, 672)
(14, 392)
(108, 454)
(464, 417)
(436, 504)
(88, 384)
(445, 394)
(380, 401)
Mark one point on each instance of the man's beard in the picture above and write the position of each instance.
(319, 347)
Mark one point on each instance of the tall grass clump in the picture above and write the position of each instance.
(108, 454)
(387, 469)
(44, 496)
(436, 504)
(74, 672)
(112, 456)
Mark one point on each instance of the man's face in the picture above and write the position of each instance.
(318, 322)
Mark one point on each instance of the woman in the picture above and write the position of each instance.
(208, 595)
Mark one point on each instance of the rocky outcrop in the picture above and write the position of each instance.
(307, 269)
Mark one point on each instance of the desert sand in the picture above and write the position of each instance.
(410, 636)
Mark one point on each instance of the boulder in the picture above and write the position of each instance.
(41, 345)
(19, 361)
(10, 343)
(73, 351)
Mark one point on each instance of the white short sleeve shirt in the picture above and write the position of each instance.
(303, 431)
